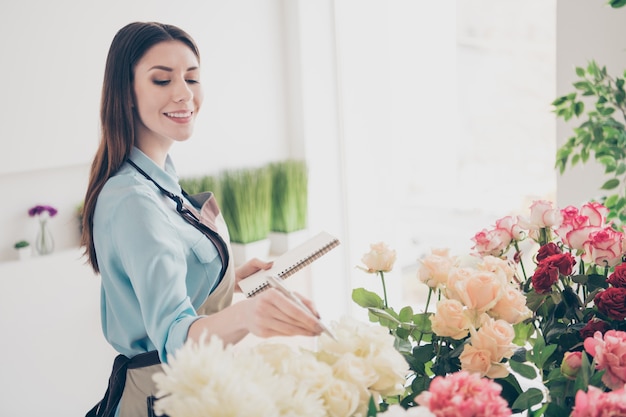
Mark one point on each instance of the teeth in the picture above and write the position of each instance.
(187, 114)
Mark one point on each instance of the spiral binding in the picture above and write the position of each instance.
(287, 272)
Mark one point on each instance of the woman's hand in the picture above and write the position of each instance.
(271, 313)
(249, 268)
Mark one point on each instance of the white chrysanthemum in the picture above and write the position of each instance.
(204, 379)
(342, 399)
(372, 344)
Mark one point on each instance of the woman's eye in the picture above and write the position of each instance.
(161, 82)
(191, 81)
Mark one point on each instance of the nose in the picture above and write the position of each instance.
(182, 93)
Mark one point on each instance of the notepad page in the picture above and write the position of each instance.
(290, 262)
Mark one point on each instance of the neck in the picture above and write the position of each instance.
(155, 150)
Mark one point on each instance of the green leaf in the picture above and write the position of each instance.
(580, 72)
(366, 298)
(423, 323)
(527, 399)
(524, 370)
(545, 355)
(617, 3)
(610, 184)
(371, 407)
(406, 314)
(383, 314)
(522, 332)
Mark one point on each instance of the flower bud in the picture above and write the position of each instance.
(572, 362)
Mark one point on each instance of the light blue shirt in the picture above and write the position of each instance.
(156, 269)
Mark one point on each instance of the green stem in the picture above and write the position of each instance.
(521, 262)
(430, 292)
(382, 279)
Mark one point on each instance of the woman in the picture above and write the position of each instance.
(166, 277)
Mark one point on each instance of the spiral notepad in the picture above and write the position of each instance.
(290, 262)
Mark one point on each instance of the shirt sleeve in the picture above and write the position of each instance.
(152, 259)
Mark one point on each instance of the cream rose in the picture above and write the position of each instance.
(379, 258)
(479, 361)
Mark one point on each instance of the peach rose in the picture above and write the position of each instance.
(511, 307)
(496, 336)
(434, 268)
(450, 320)
(477, 290)
(479, 361)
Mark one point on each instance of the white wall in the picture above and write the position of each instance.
(586, 30)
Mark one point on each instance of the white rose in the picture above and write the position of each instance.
(341, 398)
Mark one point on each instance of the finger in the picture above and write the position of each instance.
(290, 317)
(309, 304)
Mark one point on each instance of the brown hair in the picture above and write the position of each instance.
(117, 116)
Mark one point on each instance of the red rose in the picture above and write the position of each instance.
(564, 262)
(592, 326)
(612, 302)
(544, 277)
(548, 250)
(618, 277)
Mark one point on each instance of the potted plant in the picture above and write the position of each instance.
(289, 204)
(22, 247)
(245, 201)
(201, 184)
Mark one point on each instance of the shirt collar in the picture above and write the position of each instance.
(167, 178)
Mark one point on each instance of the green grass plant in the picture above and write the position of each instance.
(289, 210)
(246, 203)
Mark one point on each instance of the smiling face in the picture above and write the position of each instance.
(167, 96)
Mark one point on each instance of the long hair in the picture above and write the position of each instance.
(117, 116)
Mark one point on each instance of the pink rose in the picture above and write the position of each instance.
(379, 258)
(572, 361)
(542, 214)
(609, 353)
(509, 226)
(603, 247)
(595, 212)
(475, 396)
(491, 242)
(596, 403)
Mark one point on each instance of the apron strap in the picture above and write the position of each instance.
(108, 405)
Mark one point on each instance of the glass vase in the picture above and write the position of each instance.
(44, 243)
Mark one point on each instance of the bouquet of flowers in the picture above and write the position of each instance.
(343, 378)
(553, 339)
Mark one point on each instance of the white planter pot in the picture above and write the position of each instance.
(282, 242)
(243, 252)
(24, 253)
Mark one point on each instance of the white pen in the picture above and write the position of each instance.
(276, 282)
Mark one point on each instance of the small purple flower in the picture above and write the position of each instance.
(37, 210)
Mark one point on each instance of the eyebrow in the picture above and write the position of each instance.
(164, 68)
